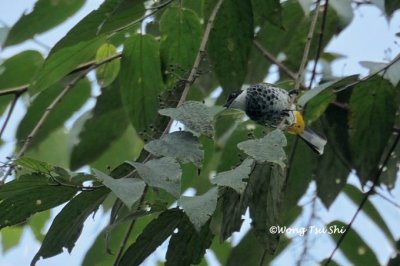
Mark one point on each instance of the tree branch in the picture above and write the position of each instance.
(307, 47)
(364, 200)
(188, 82)
(10, 111)
(274, 60)
(320, 42)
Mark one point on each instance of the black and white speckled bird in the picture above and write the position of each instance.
(272, 106)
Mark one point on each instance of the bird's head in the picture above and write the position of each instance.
(231, 98)
(298, 126)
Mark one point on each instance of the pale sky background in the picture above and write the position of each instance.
(372, 39)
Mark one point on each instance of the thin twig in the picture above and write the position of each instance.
(307, 47)
(10, 111)
(320, 42)
(16, 90)
(156, 9)
(386, 198)
(274, 60)
(364, 200)
(306, 234)
(200, 54)
(130, 228)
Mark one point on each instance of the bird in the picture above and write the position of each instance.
(272, 106)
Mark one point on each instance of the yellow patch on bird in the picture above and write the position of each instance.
(298, 126)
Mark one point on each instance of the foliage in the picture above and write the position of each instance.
(161, 77)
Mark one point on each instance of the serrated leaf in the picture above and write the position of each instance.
(163, 173)
(194, 115)
(128, 190)
(71, 103)
(267, 149)
(234, 178)
(68, 224)
(34, 165)
(106, 73)
(60, 63)
(140, 80)
(266, 193)
(110, 16)
(188, 246)
(200, 208)
(354, 247)
(230, 41)
(108, 110)
(155, 233)
(370, 102)
(30, 194)
(181, 145)
(45, 15)
(369, 209)
(180, 38)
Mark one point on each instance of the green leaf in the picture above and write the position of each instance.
(140, 80)
(354, 247)
(181, 145)
(249, 251)
(30, 194)
(234, 178)
(3, 34)
(71, 103)
(19, 69)
(106, 73)
(10, 237)
(62, 62)
(68, 224)
(155, 233)
(200, 208)
(391, 73)
(128, 146)
(267, 10)
(300, 173)
(110, 16)
(233, 206)
(318, 105)
(37, 224)
(128, 190)
(370, 102)
(46, 152)
(331, 85)
(266, 193)
(389, 174)
(330, 175)
(188, 246)
(230, 41)
(391, 7)
(164, 173)
(108, 110)
(180, 38)
(194, 115)
(34, 165)
(45, 15)
(369, 209)
(267, 149)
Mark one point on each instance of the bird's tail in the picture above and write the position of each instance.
(313, 140)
